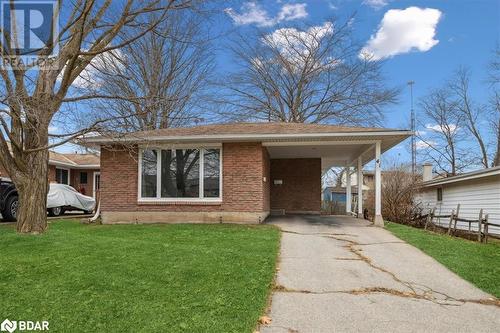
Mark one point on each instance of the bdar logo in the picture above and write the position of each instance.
(8, 325)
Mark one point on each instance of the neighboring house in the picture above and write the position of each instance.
(229, 172)
(82, 171)
(338, 194)
(335, 197)
(473, 191)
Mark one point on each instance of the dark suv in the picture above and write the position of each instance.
(9, 200)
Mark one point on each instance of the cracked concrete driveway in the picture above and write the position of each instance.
(341, 274)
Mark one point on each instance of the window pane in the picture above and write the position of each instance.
(64, 177)
(83, 178)
(211, 173)
(149, 174)
(180, 173)
(58, 175)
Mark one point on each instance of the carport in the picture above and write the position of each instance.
(298, 164)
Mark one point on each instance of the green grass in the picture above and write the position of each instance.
(478, 263)
(138, 278)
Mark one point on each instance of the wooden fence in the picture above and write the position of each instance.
(482, 222)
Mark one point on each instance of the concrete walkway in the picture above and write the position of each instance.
(340, 274)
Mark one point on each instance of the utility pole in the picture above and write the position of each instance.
(412, 115)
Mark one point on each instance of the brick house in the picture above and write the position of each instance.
(82, 171)
(229, 172)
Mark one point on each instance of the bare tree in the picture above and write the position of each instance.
(440, 142)
(163, 76)
(471, 112)
(399, 189)
(306, 74)
(494, 81)
(33, 94)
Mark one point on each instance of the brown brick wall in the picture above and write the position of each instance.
(266, 165)
(242, 190)
(52, 174)
(118, 179)
(301, 188)
(86, 189)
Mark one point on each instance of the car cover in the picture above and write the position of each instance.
(64, 195)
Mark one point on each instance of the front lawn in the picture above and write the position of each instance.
(138, 278)
(475, 262)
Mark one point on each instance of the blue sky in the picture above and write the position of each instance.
(448, 34)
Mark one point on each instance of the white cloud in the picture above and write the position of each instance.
(291, 12)
(403, 31)
(441, 128)
(294, 43)
(102, 63)
(252, 13)
(332, 5)
(421, 133)
(377, 4)
(424, 144)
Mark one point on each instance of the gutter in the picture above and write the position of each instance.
(74, 166)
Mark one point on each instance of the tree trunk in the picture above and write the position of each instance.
(32, 187)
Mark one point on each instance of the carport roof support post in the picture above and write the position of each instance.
(378, 220)
(348, 193)
(360, 187)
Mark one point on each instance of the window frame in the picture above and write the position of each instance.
(439, 194)
(69, 175)
(86, 178)
(158, 198)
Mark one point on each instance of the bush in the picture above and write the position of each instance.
(399, 187)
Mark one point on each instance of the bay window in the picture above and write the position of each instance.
(180, 174)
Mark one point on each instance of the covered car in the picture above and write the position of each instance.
(64, 197)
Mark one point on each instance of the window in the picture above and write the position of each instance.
(180, 174)
(149, 174)
(439, 194)
(62, 176)
(83, 178)
(211, 175)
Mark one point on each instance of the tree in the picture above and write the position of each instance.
(33, 95)
(459, 86)
(456, 125)
(494, 81)
(399, 188)
(306, 74)
(444, 124)
(163, 76)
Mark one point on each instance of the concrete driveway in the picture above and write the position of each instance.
(341, 274)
